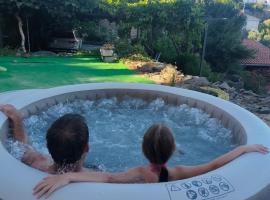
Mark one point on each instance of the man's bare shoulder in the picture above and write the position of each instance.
(38, 161)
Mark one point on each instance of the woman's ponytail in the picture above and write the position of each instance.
(164, 174)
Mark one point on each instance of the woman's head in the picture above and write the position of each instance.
(158, 144)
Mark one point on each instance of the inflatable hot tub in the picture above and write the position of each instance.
(247, 177)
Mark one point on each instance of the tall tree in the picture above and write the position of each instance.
(176, 24)
(60, 10)
(18, 8)
(224, 45)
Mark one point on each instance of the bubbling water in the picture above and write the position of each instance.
(117, 128)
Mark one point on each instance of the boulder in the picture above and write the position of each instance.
(198, 81)
(3, 69)
(264, 110)
(266, 101)
(152, 67)
(225, 86)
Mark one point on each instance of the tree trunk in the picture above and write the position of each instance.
(20, 25)
(1, 34)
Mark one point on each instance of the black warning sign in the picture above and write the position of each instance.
(205, 188)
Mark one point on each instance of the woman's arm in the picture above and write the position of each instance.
(182, 172)
(49, 184)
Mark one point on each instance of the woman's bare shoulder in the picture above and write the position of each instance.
(176, 173)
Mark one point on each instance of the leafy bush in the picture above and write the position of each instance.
(253, 81)
(169, 74)
(91, 31)
(215, 92)
(255, 7)
(190, 64)
(124, 49)
(6, 51)
(254, 35)
(95, 52)
(138, 49)
(138, 57)
(165, 46)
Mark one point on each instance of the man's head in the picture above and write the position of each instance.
(67, 139)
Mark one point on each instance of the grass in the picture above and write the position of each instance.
(45, 72)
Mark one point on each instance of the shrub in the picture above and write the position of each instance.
(6, 51)
(124, 49)
(255, 7)
(254, 35)
(138, 57)
(165, 46)
(169, 74)
(190, 64)
(253, 81)
(95, 52)
(92, 31)
(215, 92)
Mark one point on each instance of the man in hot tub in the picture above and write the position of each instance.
(67, 142)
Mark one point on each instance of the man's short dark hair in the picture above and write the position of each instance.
(67, 139)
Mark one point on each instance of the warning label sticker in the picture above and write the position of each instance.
(212, 187)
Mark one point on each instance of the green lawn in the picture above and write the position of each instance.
(45, 72)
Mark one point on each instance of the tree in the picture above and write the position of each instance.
(263, 33)
(224, 44)
(169, 27)
(17, 8)
(61, 11)
(1, 32)
(264, 30)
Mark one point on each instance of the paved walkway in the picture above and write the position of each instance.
(90, 47)
(252, 23)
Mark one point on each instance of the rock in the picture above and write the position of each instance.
(187, 77)
(216, 84)
(264, 110)
(242, 90)
(152, 67)
(248, 92)
(3, 69)
(238, 85)
(198, 81)
(18, 54)
(224, 86)
(266, 101)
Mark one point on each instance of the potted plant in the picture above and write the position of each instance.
(107, 50)
(107, 53)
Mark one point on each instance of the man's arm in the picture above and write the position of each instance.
(30, 157)
(16, 119)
